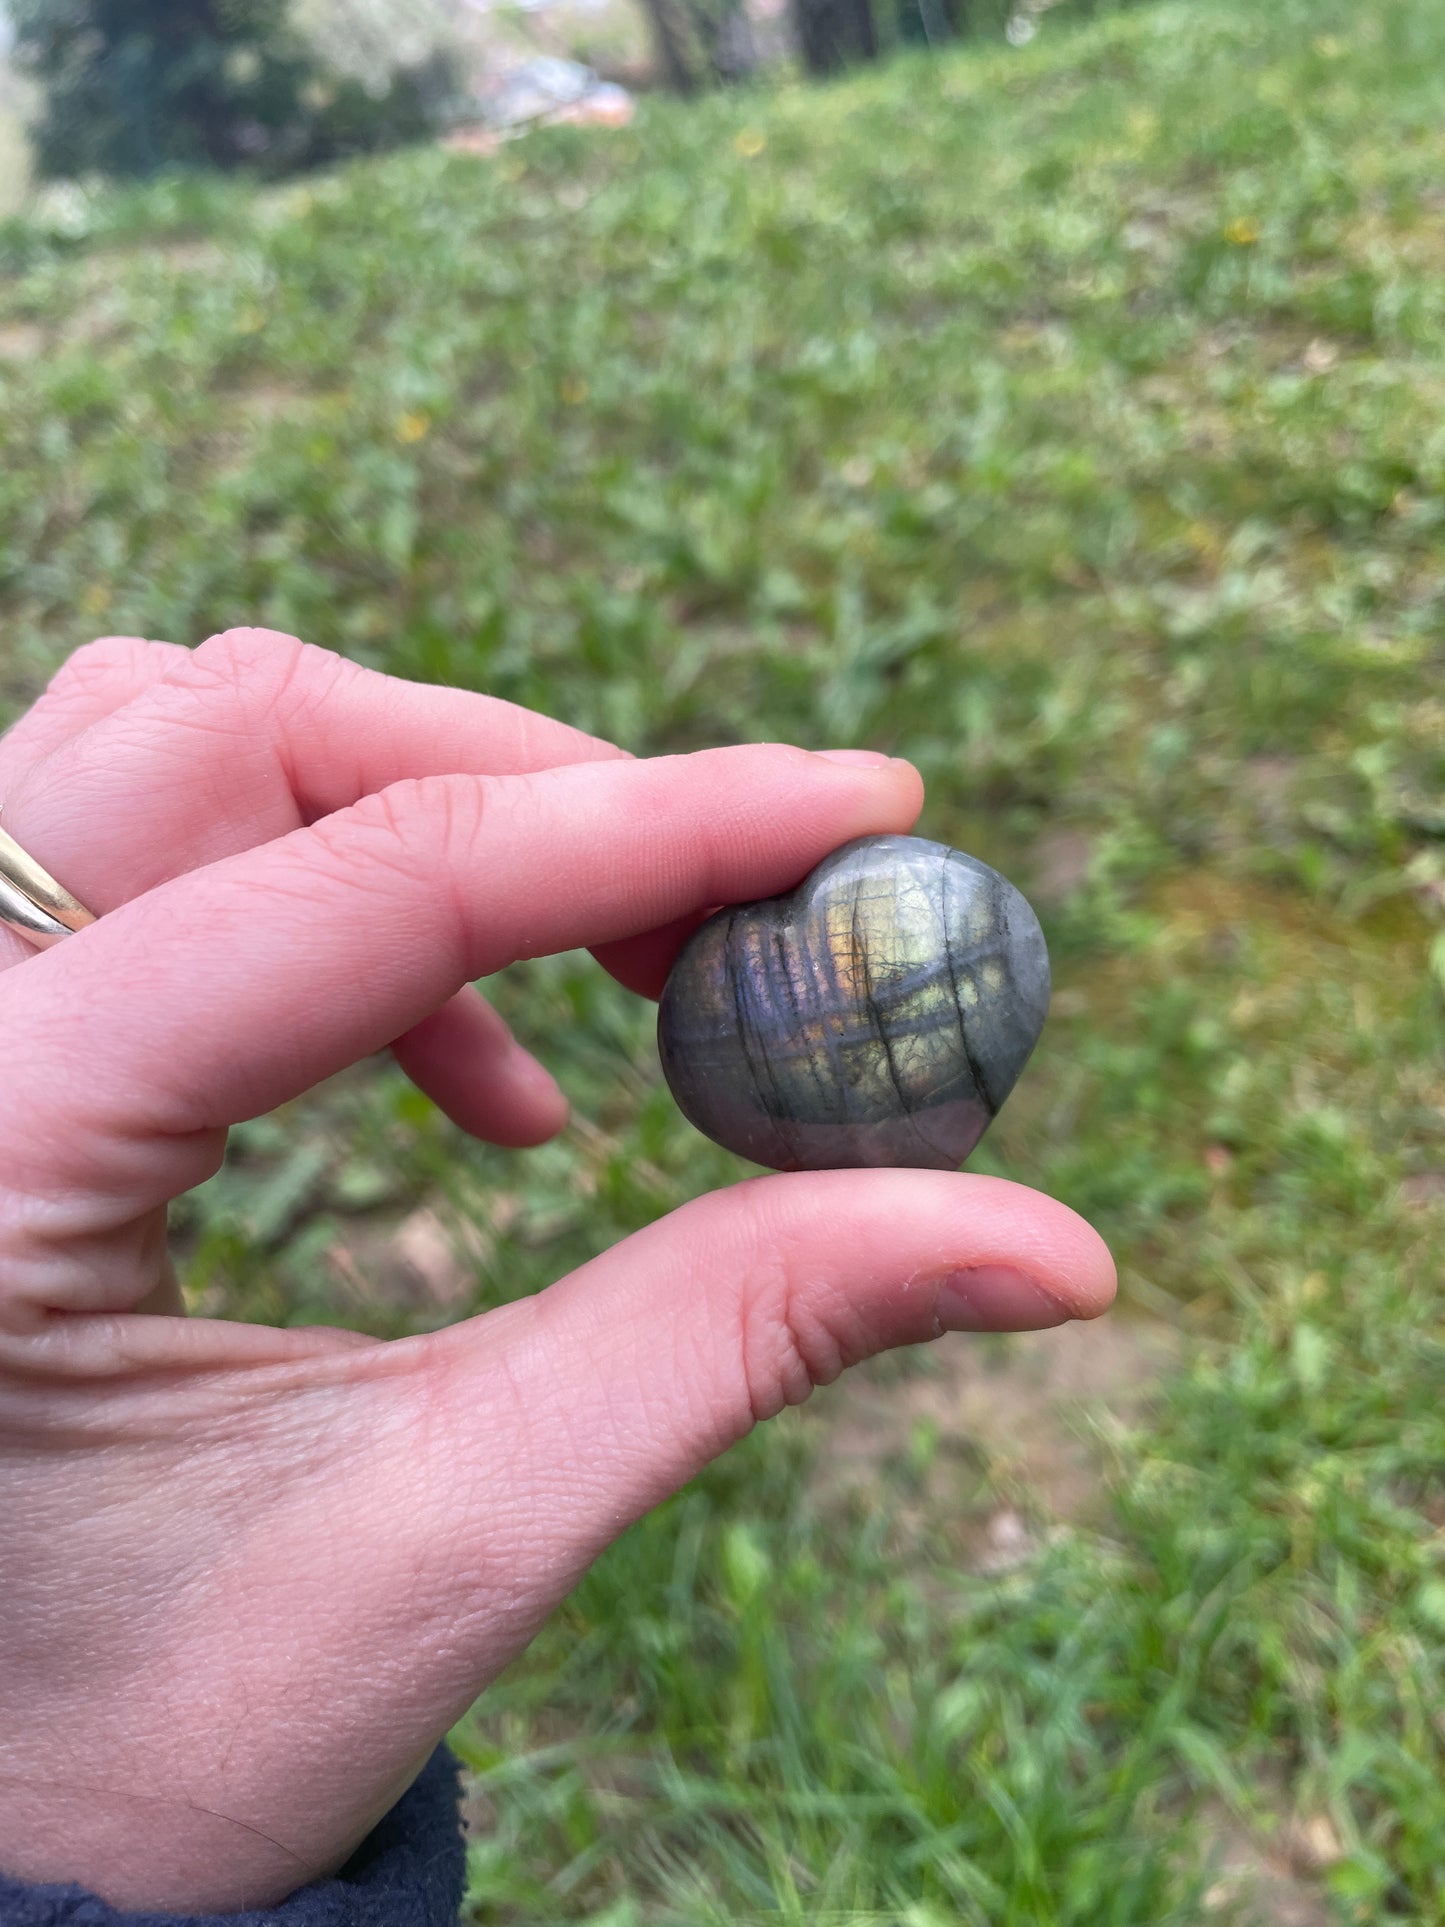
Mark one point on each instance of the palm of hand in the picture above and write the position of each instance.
(251, 1576)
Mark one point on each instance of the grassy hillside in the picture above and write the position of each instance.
(1069, 420)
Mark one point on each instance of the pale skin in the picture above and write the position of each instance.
(249, 1577)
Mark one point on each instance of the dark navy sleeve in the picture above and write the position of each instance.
(408, 1872)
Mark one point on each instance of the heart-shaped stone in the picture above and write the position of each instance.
(878, 1014)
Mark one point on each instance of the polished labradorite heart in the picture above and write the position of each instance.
(879, 1014)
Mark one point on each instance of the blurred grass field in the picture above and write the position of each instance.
(1068, 419)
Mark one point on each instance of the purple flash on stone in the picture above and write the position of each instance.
(879, 1014)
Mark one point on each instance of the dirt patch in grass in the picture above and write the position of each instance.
(21, 341)
(1011, 1426)
(1271, 1881)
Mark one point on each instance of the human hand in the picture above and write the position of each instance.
(248, 1577)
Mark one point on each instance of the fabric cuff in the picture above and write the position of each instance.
(408, 1872)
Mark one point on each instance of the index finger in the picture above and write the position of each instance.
(144, 760)
(228, 992)
(241, 740)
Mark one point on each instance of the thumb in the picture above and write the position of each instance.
(322, 1553)
(627, 1377)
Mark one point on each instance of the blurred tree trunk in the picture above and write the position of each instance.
(833, 34)
(932, 23)
(670, 38)
(701, 42)
(951, 15)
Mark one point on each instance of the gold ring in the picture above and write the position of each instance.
(32, 903)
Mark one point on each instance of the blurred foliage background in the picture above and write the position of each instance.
(1066, 417)
(131, 87)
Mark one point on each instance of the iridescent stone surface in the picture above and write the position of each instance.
(878, 1014)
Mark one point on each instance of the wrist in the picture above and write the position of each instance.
(410, 1866)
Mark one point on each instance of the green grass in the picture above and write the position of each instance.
(1070, 421)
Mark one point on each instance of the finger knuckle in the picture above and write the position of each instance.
(255, 663)
(258, 685)
(441, 815)
(791, 1332)
(94, 662)
(101, 662)
(424, 827)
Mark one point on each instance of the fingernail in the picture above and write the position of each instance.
(859, 758)
(992, 1298)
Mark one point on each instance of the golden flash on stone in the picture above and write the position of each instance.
(879, 1014)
